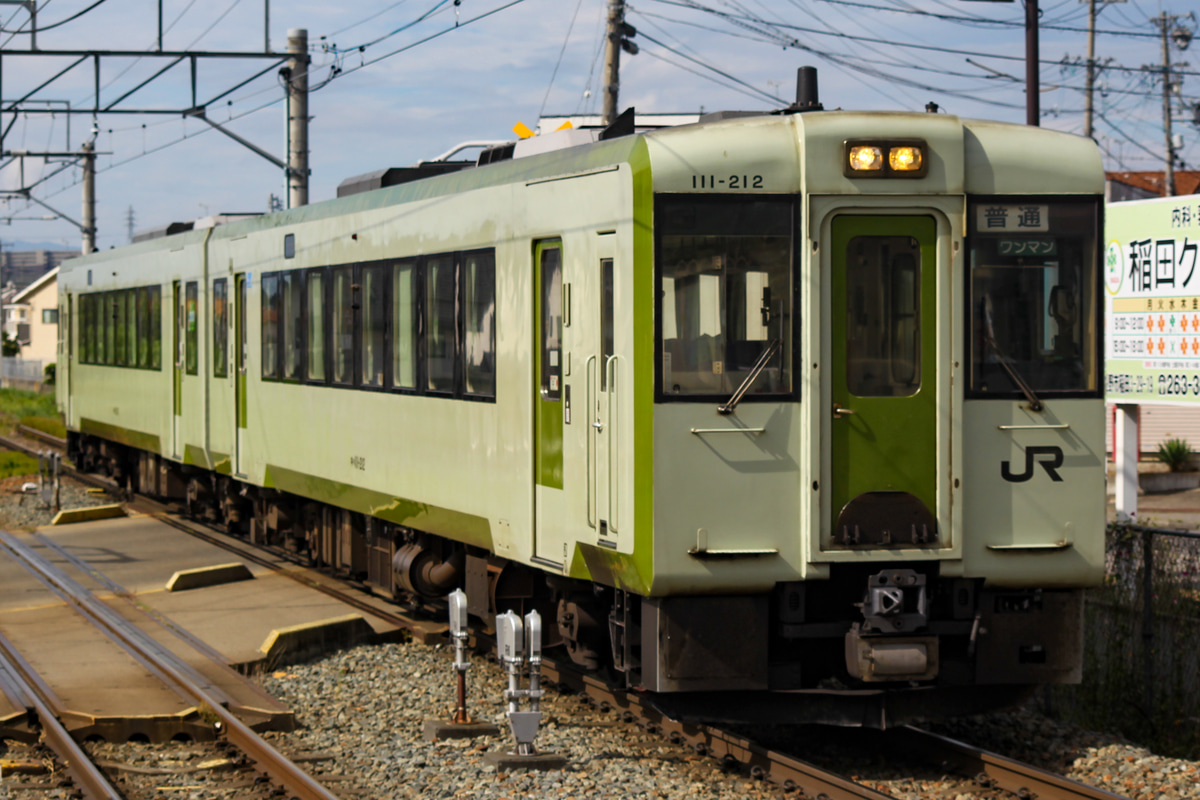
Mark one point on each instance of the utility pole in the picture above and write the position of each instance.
(297, 102)
(129, 222)
(1033, 100)
(1169, 176)
(1182, 37)
(620, 33)
(1089, 85)
(89, 197)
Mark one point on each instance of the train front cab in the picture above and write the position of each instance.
(917, 473)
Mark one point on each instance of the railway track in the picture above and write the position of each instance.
(22, 684)
(990, 771)
(167, 667)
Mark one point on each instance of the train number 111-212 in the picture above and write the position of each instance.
(731, 182)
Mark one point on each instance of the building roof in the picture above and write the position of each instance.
(1186, 181)
(33, 288)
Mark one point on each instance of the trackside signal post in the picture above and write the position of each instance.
(462, 726)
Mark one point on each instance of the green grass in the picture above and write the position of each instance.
(17, 404)
(17, 464)
(50, 425)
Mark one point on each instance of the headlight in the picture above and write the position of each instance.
(905, 159)
(865, 158)
(886, 158)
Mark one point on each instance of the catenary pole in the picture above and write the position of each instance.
(297, 169)
(89, 197)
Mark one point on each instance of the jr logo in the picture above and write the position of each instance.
(1051, 459)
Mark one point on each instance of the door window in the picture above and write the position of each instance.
(551, 344)
(883, 316)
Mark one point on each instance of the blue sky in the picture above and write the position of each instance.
(477, 80)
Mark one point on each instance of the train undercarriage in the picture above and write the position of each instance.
(875, 645)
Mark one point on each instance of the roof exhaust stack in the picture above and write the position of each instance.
(806, 92)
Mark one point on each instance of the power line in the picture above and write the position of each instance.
(60, 23)
(984, 22)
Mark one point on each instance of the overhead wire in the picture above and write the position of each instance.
(558, 61)
(61, 22)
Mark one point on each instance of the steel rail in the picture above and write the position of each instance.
(989, 769)
(41, 436)
(89, 778)
(99, 482)
(992, 770)
(265, 757)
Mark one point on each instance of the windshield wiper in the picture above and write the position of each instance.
(755, 371)
(989, 335)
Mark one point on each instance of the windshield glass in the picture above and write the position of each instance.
(725, 286)
(1033, 283)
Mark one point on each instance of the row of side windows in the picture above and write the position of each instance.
(419, 325)
(122, 328)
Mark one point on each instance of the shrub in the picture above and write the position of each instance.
(49, 374)
(1176, 454)
(17, 464)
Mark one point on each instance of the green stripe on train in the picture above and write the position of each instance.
(114, 433)
(467, 528)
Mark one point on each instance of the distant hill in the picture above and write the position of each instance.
(17, 244)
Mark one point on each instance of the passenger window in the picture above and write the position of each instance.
(883, 329)
(551, 317)
(372, 328)
(155, 327)
(316, 325)
(131, 327)
(343, 325)
(220, 323)
(290, 291)
(192, 359)
(440, 295)
(119, 324)
(479, 346)
(404, 326)
(108, 312)
(270, 326)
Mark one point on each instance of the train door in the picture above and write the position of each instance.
(549, 504)
(884, 380)
(179, 320)
(602, 389)
(239, 380)
(66, 353)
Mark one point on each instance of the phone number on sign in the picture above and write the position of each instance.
(1179, 385)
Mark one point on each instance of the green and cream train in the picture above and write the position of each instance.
(796, 415)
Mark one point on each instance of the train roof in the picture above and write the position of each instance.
(996, 158)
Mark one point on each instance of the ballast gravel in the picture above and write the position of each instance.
(366, 706)
(361, 714)
(20, 510)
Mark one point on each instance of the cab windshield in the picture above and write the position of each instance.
(725, 294)
(1033, 282)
